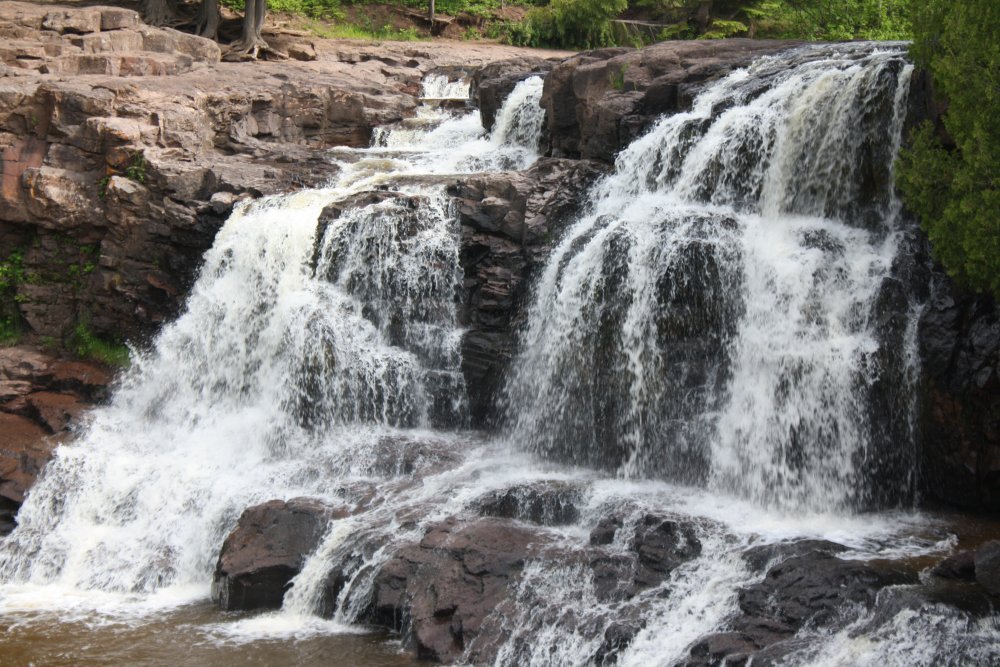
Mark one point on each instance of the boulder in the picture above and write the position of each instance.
(266, 550)
(545, 503)
(597, 102)
(961, 566)
(814, 590)
(987, 566)
(442, 591)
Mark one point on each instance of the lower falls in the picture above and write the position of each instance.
(715, 379)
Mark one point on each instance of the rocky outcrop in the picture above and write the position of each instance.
(597, 102)
(509, 223)
(814, 589)
(125, 146)
(959, 340)
(41, 398)
(490, 85)
(441, 591)
(266, 550)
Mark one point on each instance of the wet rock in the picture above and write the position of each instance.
(617, 638)
(56, 412)
(817, 588)
(266, 550)
(24, 451)
(662, 545)
(440, 592)
(544, 503)
(491, 84)
(605, 530)
(596, 102)
(509, 223)
(959, 342)
(760, 557)
(987, 566)
(961, 566)
(813, 589)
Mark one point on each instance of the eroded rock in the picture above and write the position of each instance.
(266, 550)
(598, 101)
(439, 592)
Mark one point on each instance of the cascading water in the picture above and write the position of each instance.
(289, 335)
(713, 318)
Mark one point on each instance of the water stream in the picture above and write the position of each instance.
(706, 342)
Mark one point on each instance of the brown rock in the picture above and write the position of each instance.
(24, 451)
(79, 21)
(302, 51)
(597, 102)
(266, 550)
(56, 412)
(442, 590)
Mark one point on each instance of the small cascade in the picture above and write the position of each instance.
(714, 318)
(307, 319)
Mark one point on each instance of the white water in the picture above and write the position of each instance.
(712, 317)
(261, 388)
(328, 373)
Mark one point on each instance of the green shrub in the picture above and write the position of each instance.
(952, 182)
(85, 344)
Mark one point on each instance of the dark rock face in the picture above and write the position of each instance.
(598, 101)
(440, 593)
(492, 83)
(266, 550)
(987, 566)
(961, 566)
(509, 223)
(545, 503)
(815, 589)
(959, 340)
(656, 547)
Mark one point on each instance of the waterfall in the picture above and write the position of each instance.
(722, 330)
(713, 318)
(309, 324)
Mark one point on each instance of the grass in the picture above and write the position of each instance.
(85, 344)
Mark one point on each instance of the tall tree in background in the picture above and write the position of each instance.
(950, 177)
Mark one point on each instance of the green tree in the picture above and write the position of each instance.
(950, 176)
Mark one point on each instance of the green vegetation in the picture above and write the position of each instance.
(12, 274)
(950, 177)
(86, 344)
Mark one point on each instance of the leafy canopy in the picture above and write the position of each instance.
(951, 178)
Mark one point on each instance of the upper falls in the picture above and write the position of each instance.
(718, 315)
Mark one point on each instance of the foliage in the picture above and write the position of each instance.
(951, 180)
(12, 274)
(136, 169)
(569, 23)
(86, 344)
(833, 19)
(328, 9)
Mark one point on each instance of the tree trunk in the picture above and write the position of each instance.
(431, 16)
(704, 16)
(252, 43)
(157, 12)
(208, 19)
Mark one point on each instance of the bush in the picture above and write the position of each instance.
(583, 24)
(951, 179)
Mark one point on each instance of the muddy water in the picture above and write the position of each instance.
(191, 636)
